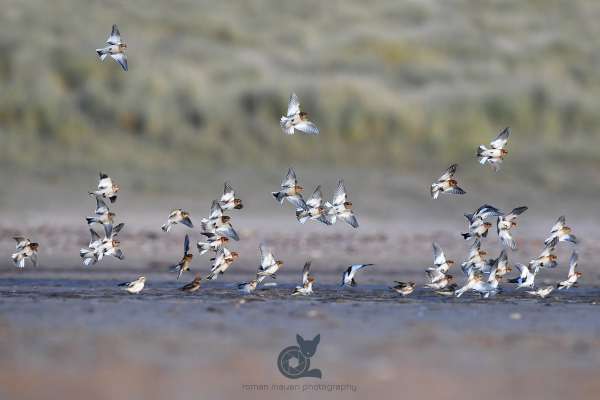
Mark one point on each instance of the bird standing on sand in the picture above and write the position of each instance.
(134, 287)
(192, 286)
(348, 275)
(296, 119)
(25, 249)
(341, 207)
(571, 280)
(186, 261)
(290, 190)
(228, 200)
(561, 231)
(177, 216)
(307, 282)
(446, 183)
(505, 223)
(494, 155)
(106, 188)
(116, 48)
(404, 288)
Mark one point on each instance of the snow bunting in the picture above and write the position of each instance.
(341, 207)
(175, 217)
(134, 287)
(307, 282)
(314, 210)
(296, 119)
(573, 275)
(404, 288)
(561, 231)
(247, 287)
(541, 292)
(106, 188)
(228, 200)
(494, 155)
(221, 262)
(192, 286)
(268, 265)
(213, 242)
(25, 249)
(446, 183)
(291, 191)
(186, 261)
(348, 275)
(116, 48)
(505, 223)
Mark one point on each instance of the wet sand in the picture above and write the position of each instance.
(69, 331)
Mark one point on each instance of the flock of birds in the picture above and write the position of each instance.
(481, 275)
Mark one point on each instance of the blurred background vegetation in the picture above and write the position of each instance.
(400, 86)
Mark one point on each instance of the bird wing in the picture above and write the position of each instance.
(449, 173)
(305, 272)
(105, 182)
(115, 36)
(500, 141)
(339, 197)
(94, 236)
(186, 245)
(215, 211)
(560, 223)
(22, 242)
(290, 179)
(121, 59)
(293, 105)
(475, 247)
(228, 193)
(101, 207)
(573, 263)
(487, 210)
(357, 267)
(297, 201)
(316, 200)
(266, 257)
(307, 127)
(349, 218)
(438, 255)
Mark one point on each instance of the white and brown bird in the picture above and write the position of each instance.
(296, 119)
(290, 190)
(186, 261)
(437, 282)
(404, 288)
(115, 48)
(307, 282)
(350, 272)
(541, 292)
(496, 153)
(269, 266)
(314, 209)
(571, 280)
(446, 183)
(562, 232)
(547, 259)
(441, 265)
(25, 249)
(500, 264)
(475, 260)
(99, 247)
(218, 223)
(341, 207)
(478, 226)
(134, 287)
(228, 201)
(526, 278)
(106, 188)
(193, 285)
(505, 223)
(177, 216)
(221, 263)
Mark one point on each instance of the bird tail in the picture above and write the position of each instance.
(279, 196)
(166, 227)
(212, 276)
(91, 220)
(301, 215)
(102, 54)
(466, 236)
